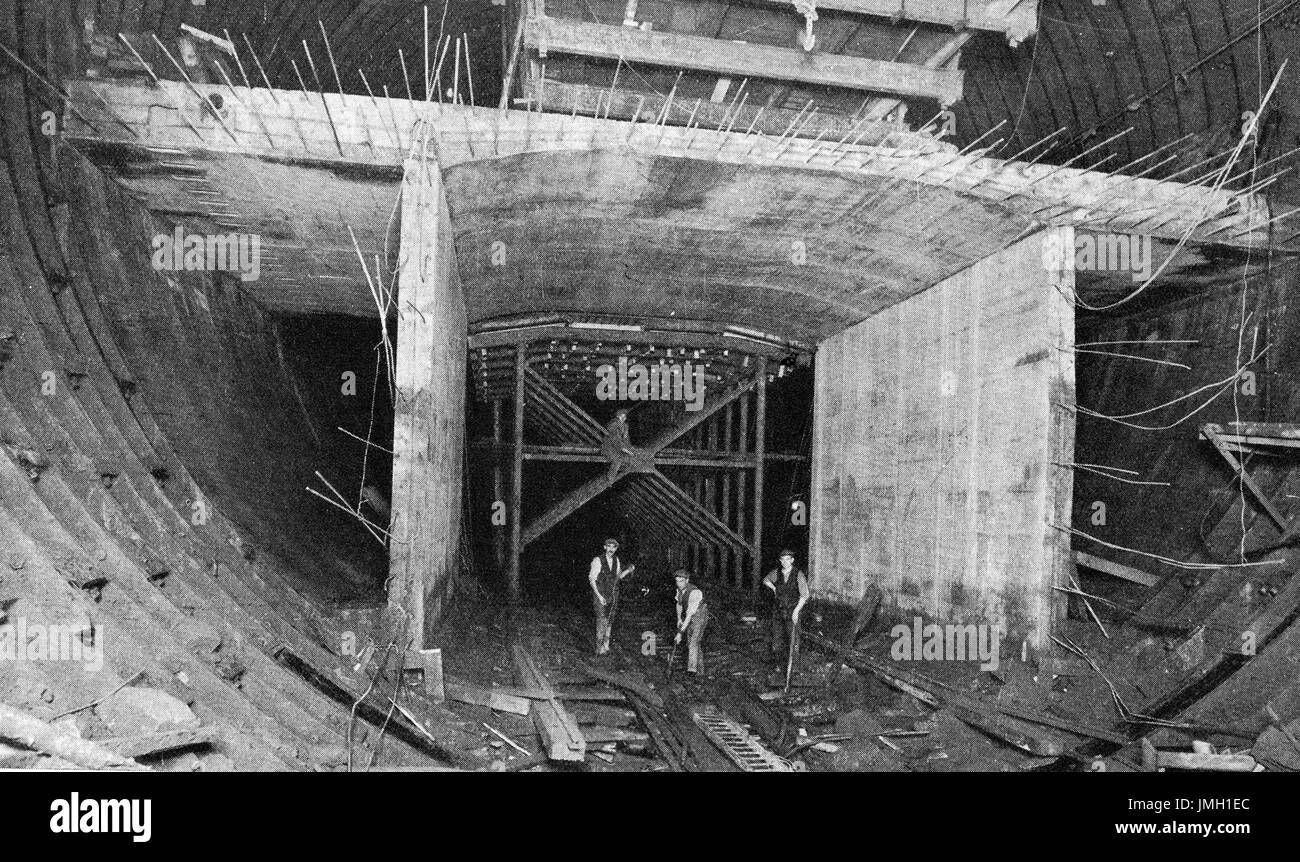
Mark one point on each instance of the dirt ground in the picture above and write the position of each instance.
(832, 718)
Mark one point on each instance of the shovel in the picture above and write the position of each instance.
(789, 659)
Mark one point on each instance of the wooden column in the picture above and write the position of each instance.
(760, 451)
(728, 554)
(498, 487)
(710, 498)
(517, 477)
(742, 491)
(429, 415)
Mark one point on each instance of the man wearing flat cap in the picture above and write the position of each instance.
(605, 573)
(790, 592)
(692, 617)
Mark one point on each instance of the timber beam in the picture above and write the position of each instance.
(722, 57)
(657, 489)
(285, 127)
(719, 458)
(1018, 19)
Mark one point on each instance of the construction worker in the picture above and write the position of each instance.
(605, 573)
(692, 617)
(789, 588)
(616, 445)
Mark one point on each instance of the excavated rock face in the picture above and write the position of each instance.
(159, 548)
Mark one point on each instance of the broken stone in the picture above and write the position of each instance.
(137, 711)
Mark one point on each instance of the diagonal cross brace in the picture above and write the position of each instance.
(1238, 468)
(588, 491)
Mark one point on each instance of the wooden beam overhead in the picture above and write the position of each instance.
(718, 56)
(567, 98)
(1018, 19)
(690, 339)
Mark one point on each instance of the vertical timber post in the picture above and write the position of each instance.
(728, 553)
(517, 475)
(742, 491)
(429, 413)
(760, 450)
(498, 484)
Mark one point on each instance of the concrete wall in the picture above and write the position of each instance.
(936, 426)
(429, 420)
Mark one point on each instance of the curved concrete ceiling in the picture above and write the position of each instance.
(800, 252)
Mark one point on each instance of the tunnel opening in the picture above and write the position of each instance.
(555, 566)
(341, 385)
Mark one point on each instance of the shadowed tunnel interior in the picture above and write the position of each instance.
(990, 319)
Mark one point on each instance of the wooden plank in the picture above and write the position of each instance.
(568, 98)
(600, 714)
(946, 57)
(760, 448)
(498, 486)
(595, 734)
(1247, 480)
(1128, 573)
(1205, 762)
(661, 736)
(559, 732)
(723, 57)
(572, 502)
(517, 477)
(156, 743)
(1018, 20)
(1013, 733)
(1250, 443)
(693, 420)
(624, 682)
(465, 692)
(1284, 433)
(588, 693)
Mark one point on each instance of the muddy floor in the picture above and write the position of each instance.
(830, 718)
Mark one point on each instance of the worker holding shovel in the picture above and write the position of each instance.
(789, 588)
(605, 573)
(692, 618)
